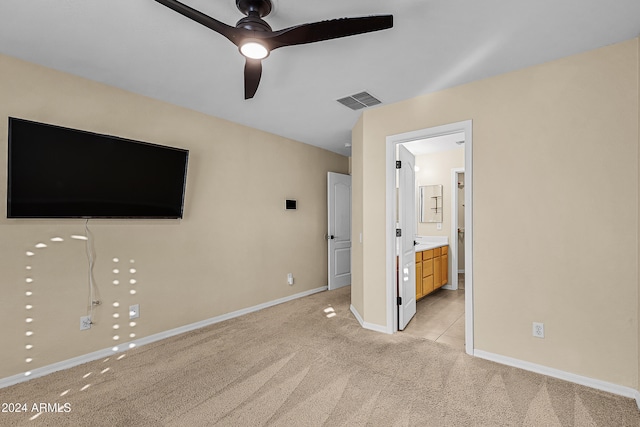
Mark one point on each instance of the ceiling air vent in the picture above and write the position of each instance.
(359, 100)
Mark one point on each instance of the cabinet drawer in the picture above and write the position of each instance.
(427, 268)
(436, 252)
(427, 254)
(418, 256)
(444, 250)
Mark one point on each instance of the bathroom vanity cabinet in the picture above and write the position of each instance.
(432, 270)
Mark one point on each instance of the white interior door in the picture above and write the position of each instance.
(339, 230)
(407, 225)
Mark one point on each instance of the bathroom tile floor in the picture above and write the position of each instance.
(440, 317)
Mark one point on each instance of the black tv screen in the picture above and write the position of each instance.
(56, 172)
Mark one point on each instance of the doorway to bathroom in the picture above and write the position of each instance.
(443, 177)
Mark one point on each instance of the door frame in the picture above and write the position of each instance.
(453, 237)
(391, 292)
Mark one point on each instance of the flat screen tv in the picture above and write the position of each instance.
(56, 172)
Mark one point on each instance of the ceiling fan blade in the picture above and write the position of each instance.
(252, 74)
(232, 33)
(327, 30)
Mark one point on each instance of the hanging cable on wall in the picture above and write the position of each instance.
(93, 301)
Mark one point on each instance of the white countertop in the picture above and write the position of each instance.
(426, 246)
(430, 242)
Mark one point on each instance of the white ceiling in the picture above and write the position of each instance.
(143, 47)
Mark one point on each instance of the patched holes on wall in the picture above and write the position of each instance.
(132, 291)
(30, 283)
(123, 271)
(132, 280)
(123, 274)
(116, 304)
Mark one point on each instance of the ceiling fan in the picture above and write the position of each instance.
(255, 38)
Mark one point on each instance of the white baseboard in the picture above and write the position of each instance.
(563, 375)
(70, 363)
(357, 315)
(367, 325)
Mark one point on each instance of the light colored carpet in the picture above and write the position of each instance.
(296, 364)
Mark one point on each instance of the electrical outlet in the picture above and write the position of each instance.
(85, 323)
(538, 330)
(134, 311)
(290, 279)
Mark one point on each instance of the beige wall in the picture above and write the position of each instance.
(559, 244)
(232, 250)
(357, 291)
(435, 168)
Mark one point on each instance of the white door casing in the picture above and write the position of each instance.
(339, 229)
(407, 226)
(392, 141)
(453, 238)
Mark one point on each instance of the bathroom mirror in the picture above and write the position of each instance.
(431, 203)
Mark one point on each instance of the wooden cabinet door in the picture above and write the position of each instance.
(437, 271)
(445, 269)
(419, 292)
(427, 284)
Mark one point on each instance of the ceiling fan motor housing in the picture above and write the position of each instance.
(260, 7)
(253, 23)
(255, 10)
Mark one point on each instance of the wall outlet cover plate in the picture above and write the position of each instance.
(538, 330)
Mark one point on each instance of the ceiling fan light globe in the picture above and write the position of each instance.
(254, 50)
